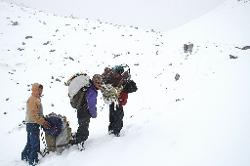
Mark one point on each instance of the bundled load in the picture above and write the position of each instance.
(110, 94)
(116, 80)
(117, 75)
(59, 135)
(77, 84)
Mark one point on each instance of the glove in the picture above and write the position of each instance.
(46, 125)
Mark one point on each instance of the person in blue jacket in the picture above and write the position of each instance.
(86, 109)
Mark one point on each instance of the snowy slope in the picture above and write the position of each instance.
(200, 119)
(227, 24)
(152, 14)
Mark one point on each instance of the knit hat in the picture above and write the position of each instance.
(118, 69)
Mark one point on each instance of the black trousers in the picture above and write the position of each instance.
(82, 133)
(116, 115)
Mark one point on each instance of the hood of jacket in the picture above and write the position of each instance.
(35, 90)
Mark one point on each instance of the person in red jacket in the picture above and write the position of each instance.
(119, 79)
(116, 112)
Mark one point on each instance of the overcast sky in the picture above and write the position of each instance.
(158, 14)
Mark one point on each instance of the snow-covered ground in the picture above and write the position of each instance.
(202, 118)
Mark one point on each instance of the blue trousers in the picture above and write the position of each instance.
(30, 152)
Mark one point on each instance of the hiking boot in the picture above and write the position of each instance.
(24, 158)
(111, 132)
(81, 146)
(72, 142)
(117, 134)
(34, 163)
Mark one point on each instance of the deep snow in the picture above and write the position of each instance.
(200, 119)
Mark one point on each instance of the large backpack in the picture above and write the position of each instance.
(130, 86)
(116, 80)
(117, 75)
(110, 94)
(59, 135)
(78, 85)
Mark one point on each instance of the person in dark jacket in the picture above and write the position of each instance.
(117, 84)
(117, 77)
(86, 109)
(34, 118)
